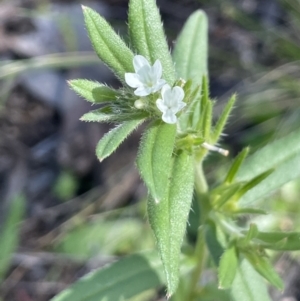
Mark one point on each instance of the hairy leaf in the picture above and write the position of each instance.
(106, 115)
(155, 157)
(147, 35)
(111, 141)
(108, 45)
(93, 91)
(191, 49)
(168, 217)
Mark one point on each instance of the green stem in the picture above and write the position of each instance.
(201, 186)
(201, 189)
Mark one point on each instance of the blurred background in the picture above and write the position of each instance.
(77, 214)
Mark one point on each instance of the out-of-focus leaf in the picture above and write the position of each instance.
(227, 268)
(147, 35)
(111, 141)
(284, 173)
(263, 266)
(106, 236)
(248, 285)
(123, 279)
(235, 166)
(226, 194)
(284, 241)
(9, 234)
(168, 217)
(272, 155)
(190, 53)
(215, 248)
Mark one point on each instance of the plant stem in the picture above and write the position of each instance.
(201, 186)
(201, 189)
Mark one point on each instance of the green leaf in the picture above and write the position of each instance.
(93, 91)
(168, 218)
(191, 49)
(250, 234)
(273, 155)
(226, 195)
(227, 268)
(111, 140)
(249, 211)
(253, 183)
(248, 285)
(221, 123)
(106, 115)
(155, 157)
(147, 35)
(206, 120)
(235, 166)
(284, 241)
(285, 172)
(263, 266)
(115, 281)
(9, 233)
(214, 246)
(108, 45)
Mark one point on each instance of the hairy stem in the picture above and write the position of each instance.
(201, 189)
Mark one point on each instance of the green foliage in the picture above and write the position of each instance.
(227, 268)
(283, 155)
(235, 166)
(147, 35)
(106, 115)
(92, 91)
(168, 217)
(111, 141)
(155, 158)
(263, 266)
(9, 233)
(110, 48)
(125, 278)
(191, 49)
(106, 236)
(248, 285)
(170, 162)
(220, 125)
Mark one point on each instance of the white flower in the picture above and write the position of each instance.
(171, 103)
(147, 79)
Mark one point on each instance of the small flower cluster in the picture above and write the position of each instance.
(147, 80)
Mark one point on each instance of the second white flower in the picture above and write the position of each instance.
(171, 103)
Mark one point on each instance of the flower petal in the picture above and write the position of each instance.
(142, 91)
(161, 106)
(169, 117)
(178, 94)
(177, 106)
(160, 83)
(133, 80)
(164, 89)
(139, 61)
